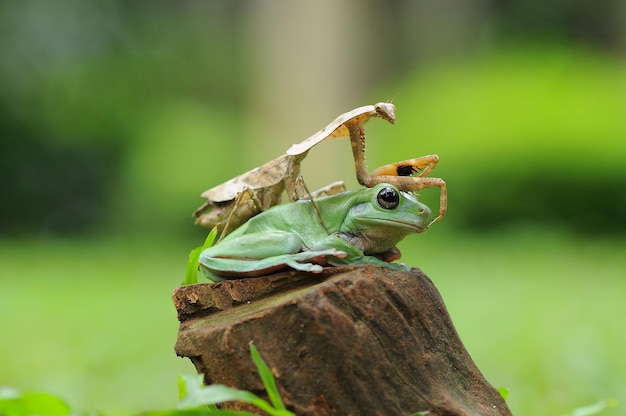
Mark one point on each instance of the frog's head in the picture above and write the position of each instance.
(383, 217)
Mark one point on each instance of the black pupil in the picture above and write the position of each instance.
(388, 198)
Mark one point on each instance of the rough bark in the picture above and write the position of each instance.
(355, 340)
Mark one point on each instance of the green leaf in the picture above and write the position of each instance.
(267, 377)
(14, 403)
(45, 404)
(194, 394)
(190, 385)
(11, 403)
(182, 386)
(198, 395)
(504, 392)
(217, 393)
(191, 275)
(210, 239)
(595, 408)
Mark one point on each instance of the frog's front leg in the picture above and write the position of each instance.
(356, 256)
(253, 255)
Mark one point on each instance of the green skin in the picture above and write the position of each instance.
(359, 227)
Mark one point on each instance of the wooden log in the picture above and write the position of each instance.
(360, 340)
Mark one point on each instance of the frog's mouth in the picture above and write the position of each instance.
(417, 226)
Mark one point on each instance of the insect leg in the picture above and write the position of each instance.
(357, 141)
(421, 166)
(300, 182)
(243, 197)
(400, 174)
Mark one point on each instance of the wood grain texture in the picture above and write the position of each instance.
(360, 340)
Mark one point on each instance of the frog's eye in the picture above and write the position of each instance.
(388, 198)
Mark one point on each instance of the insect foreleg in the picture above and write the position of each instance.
(400, 174)
(357, 141)
(421, 166)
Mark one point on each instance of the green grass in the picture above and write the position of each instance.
(93, 322)
(195, 398)
(540, 314)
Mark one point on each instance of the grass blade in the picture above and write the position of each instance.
(197, 395)
(504, 392)
(268, 378)
(191, 275)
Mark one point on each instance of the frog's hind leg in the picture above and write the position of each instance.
(258, 254)
(305, 261)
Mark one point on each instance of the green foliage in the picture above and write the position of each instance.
(195, 399)
(15, 403)
(525, 130)
(205, 397)
(94, 296)
(191, 275)
(123, 131)
(594, 409)
(198, 396)
(195, 396)
(504, 392)
(527, 136)
(73, 202)
(268, 378)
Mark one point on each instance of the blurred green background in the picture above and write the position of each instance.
(116, 115)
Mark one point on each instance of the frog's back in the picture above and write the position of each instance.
(301, 217)
(291, 217)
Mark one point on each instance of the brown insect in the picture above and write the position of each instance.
(232, 203)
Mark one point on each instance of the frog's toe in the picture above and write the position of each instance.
(316, 268)
(399, 267)
(321, 256)
(332, 252)
(314, 261)
(338, 253)
(305, 267)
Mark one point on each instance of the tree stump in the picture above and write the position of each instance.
(359, 340)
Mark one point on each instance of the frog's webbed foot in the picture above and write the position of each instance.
(383, 260)
(315, 260)
(401, 267)
(376, 261)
